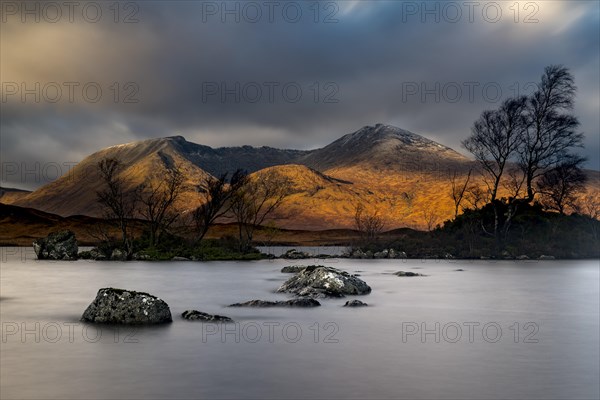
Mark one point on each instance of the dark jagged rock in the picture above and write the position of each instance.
(56, 246)
(293, 269)
(304, 303)
(195, 315)
(355, 303)
(319, 281)
(119, 306)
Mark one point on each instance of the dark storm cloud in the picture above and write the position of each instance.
(363, 69)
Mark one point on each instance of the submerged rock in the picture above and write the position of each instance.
(119, 306)
(319, 281)
(407, 273)
(355, 303)
(195, 315)
(287, 303)
(293, 269)
(56, 246)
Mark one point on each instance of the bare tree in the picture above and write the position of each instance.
(118, 205)
(514, 183)
(217, 200)
(551, 130)
(431, 218)
(495, 138)
(157, 203)
(560, 185)
(590, 207)
(257, 199)
(368, 224)
(476, 197)
(458, 189)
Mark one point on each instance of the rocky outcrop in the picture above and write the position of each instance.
(407, 273)
(355, 303)
(300, 303)
(56, 246)
(294, 254)
(119, 306)
(293, 269)
(118, 255)
(544, 257)
(319, 281)
(195, 315)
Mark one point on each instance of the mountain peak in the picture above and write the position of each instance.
(176, 138)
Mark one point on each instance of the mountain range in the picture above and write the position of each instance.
(402, 175)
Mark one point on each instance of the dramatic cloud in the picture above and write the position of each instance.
(282, 74)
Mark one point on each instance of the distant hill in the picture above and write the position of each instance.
(10, 195)
(402, 175)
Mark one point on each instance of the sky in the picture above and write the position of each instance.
(77, 77)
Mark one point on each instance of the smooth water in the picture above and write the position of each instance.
(496, 330)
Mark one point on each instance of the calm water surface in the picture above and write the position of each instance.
(496, 330)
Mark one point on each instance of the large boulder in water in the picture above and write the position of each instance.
(319, 281)
(56, 246)
(119, 306)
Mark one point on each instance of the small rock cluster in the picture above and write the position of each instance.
(56, 246)
(294, 254)
(386, 253)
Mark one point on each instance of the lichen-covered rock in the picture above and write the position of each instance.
(56, 246)
(195, 315)
(119, 306)
(319, 281)
(302, 303)
(355, 303)
(293, 269)
(118, 255)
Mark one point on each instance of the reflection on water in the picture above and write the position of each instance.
(496, 330)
